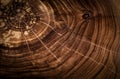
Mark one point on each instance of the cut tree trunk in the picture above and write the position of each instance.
(59, 39)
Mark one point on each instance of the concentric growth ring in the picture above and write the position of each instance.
(20, 18)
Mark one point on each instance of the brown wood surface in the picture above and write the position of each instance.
(59, 39)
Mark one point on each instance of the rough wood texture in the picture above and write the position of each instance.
(59, 39)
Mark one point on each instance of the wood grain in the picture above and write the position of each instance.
(59, 39)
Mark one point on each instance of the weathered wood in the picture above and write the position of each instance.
(59, 39)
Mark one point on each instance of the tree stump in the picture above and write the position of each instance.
(59, 39)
